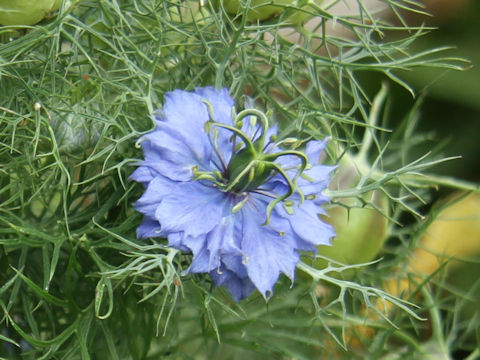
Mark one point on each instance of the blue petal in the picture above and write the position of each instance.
(314, 150)
(307, 225)
(148, 228)
(234, 262)
(180, 142)
(192, 208)
(156, 190)
(174, 155)
(175, 240)
(267, 252)
(223, 239)
(221, 101)
(186, 112)
(240, 288)
(320, 174)
(201, 255)
(220, 243)
(143, 174)
(222, 106)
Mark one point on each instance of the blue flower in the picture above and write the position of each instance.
(220, 186)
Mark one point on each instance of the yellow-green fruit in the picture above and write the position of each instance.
(451, 239)
(455, 233)
(295, 10)
(25, 12)
(56, 5)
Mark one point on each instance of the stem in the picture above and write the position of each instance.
(372, 122)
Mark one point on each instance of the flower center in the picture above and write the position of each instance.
(250, 166)
(247, 171)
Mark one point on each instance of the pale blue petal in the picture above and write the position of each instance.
(314, 150)
(267, 252)
(143, 174)
(235, 263)
(307, 225)
(320, 174)
(156, 190)
(221, 101)
(201, 255)
(224, 239)
(175, 240)
(238, 287)
(148, 228)
(171, 154)
(192, 208)
(185, 111)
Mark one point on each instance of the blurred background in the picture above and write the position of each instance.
(450, 113)
(450, 119)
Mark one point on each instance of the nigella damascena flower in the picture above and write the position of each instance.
(220, 186)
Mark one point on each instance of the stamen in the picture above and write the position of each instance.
(209, 109)
(218, 174)
(251, 174)
(238, 206)
(204, 175)
(264, 193)
(288, 208)
(207, 128)
(215, 148)
(138, 142)
(288, 141)
(306, 177)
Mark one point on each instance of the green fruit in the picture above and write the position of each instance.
(25, 12)
(266, 9)
(360, 231)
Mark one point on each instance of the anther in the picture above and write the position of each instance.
(238, 206)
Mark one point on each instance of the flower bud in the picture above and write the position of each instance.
(75, 130)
